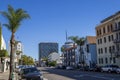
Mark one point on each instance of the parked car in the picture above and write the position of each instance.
(109, 68)
(96, 69)
(118, 70)
(18, 68)
(31, 73)
(60, 67)
(69, 68)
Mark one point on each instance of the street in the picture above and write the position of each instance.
(60, 74)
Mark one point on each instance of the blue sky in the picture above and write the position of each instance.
(50, 19)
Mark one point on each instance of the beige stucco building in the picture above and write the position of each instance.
(108, 40)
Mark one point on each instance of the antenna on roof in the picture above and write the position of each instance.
(66, 36)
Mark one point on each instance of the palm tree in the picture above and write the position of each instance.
(74, 38)
(80, 42)
(14, 17)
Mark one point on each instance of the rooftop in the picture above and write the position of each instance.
(91, 39)
(110, 17)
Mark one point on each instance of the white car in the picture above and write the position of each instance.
(109, 68)
(69, 68)
(118, 70)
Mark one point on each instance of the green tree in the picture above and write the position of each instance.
(14, 17)
(62, 49)
(27, 60)
(18, 52)
(52, 63)
(3, 53)
(74, 38)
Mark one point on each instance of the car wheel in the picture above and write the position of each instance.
(109, 71)
(118, 72)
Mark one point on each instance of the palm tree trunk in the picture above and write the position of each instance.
(12, 48)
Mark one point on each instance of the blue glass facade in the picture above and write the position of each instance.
(46, 48)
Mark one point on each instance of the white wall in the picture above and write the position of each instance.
(3, 45)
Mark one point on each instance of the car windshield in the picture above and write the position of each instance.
(29, 70)
(25, 71)
(33, 70)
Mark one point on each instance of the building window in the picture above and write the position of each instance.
(88, 48)
(104, 30)
(118, 25)
(109, 38)
(97, 33)
(101, 50)
(113, 48)
(114, 60)
(98, 41)
(105, 49)
(104, 39)
(106, 60)
(112, 38)
(116, 35)
(110, 49)
(101, 41)
(111, 27)
(119, 35)
(108, 28)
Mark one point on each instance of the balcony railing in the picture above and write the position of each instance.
(116, 40)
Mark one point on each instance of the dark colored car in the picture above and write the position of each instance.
(60, 67)
(31, 74)
(96, 69)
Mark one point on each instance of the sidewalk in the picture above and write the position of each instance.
(5, 75)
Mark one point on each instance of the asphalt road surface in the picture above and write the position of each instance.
(60, 74)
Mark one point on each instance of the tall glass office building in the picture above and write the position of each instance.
(45, 48)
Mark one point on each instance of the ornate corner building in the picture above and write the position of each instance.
(108, 40)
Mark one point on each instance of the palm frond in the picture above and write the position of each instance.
(73, 38)
(7, 26)
(11, 11)
(6, 15)
(14, 17)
